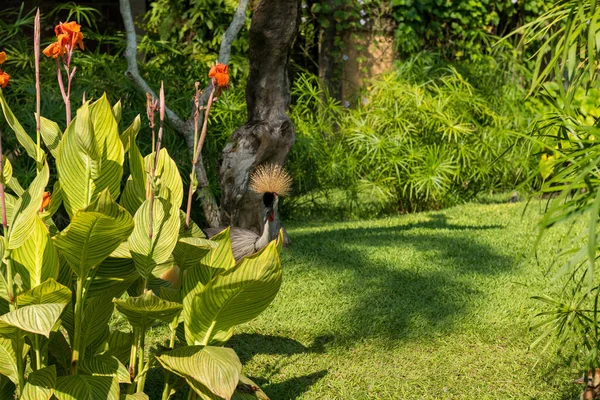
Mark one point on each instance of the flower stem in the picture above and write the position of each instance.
(142, 379)
(77, 355)
(198, 149)
(133, 361)
(38, 107)
(167, 389)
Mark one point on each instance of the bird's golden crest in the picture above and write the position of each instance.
(271, 178)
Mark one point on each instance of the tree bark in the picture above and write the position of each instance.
(268, 135)
(329, 65)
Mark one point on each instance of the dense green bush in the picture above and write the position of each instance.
(423, 136)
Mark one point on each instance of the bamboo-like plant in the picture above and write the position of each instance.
(59, 289)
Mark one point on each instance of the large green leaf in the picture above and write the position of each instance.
(115, 274)
(26, 208)
(118, 344)
(94, 233)
(217, 369)
(24, 139)
(117, 111)
(105, 365)
(134, 192)
(90, 157)
(136, 396)
(235, 296)
(8, 361)
(36, 318)
(149, 252)
(96, 316)
(36, 260)
(248, 390)
(84, 387)
(60, 350)
(131, 132)
(143, 309)
(48, 292)
(40, 384)
(51, 135)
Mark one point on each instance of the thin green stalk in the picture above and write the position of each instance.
(77, 355)
(192, 394)
(39, 359)
(193, 173)
(167, 389)
(142, 379)
(18, 347)
(133, 361)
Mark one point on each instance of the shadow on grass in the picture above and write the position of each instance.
(247, 345)
(388, 299)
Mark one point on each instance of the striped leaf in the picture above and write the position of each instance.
(117, 111)
(143, 309)
(136, 396)
(90, 157)
(134, 192)
(51, 135)
(36, 318)
(36, 260)
(8, 361)
(105, 365)
(248, 390)
(26, 208)
(115, 274)
(60, 351)
(11, 201)
(150, 252)
(47, 292)
(206, 369)
(40, 384)
(85, 387)
(221, 257)
(24, 139)
(130, 133)
(235, 296)
(7, 388)
(167, 179)
(190, 250)
(93, 234)
(97, 313)
(118, 344)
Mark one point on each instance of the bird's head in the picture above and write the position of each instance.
(271, 203)
(271, 181)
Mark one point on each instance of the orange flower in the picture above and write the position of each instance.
(221, 74)
(45, 200)
(54, 50)
(4, 77)
(2, 57)
(69, 34)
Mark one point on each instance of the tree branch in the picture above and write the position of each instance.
(185, 128)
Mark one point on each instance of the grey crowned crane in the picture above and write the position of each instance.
(272, 182)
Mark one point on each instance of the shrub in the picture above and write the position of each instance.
(423, 136)
(60, 287)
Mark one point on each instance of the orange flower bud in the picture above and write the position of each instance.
(2, 57)
(221, 74)
(46, 200)
(4, 77)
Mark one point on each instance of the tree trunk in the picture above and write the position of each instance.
(329, 64)
(268, 135)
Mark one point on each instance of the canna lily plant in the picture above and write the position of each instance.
(60, 289)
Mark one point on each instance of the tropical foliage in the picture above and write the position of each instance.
(566, 77)
(60, 288)
(424, 136)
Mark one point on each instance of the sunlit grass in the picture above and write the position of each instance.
(434, 305)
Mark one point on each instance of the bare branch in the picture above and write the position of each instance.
(186, 128)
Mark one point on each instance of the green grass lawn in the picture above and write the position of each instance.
(424, 306)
